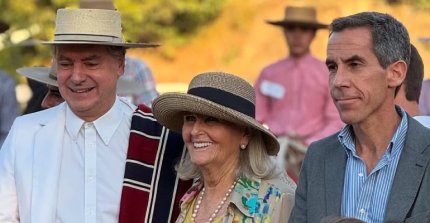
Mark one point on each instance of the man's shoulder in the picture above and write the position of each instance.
(417, 136)
(43, 115)
(144, 121)
(324, 145)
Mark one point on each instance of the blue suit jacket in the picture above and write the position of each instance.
(319, 192)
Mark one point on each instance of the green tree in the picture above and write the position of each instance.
(163, 21)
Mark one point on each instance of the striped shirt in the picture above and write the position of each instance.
(365, 195)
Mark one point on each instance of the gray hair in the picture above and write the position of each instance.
(254, 162)
(390, 38)
(117, 52)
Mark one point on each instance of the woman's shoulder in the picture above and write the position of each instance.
(282, 182)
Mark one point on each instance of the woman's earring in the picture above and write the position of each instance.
(242, 146)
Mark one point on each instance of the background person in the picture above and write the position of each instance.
(292, 94)
(229, 153)
(9, 108)
(409, 93)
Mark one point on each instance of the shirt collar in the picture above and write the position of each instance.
(347, 139)
(105, 126)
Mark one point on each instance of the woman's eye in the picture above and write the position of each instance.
(189, 118)
(211, 119)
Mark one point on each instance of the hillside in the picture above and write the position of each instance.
(240, 41)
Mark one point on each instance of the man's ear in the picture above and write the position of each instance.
(396, 73)
(121, 67)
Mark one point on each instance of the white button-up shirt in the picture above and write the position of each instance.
(92, 166)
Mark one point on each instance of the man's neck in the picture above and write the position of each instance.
(373, 137)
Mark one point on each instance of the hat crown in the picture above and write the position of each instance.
(301, 14)
(225, 82)
(96, 4)
(88, 24)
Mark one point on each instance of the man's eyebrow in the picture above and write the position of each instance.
(353, 58)
(329, 61)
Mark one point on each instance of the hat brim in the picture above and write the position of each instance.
(40, 74)
(126, 45)
(169, 109)
(284, 23)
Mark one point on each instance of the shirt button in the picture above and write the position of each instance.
(88, 125)
(90, 178)
(360, 174)
(362, 211)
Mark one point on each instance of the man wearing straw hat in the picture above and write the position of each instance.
(292, 93)
(8, 103)
(67, 163)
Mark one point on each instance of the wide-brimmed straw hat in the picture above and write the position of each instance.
(300, 16)
(221, 95)
(3, 27)
(91, 26)
(47, 75)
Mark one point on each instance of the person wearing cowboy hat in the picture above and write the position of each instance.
(126, 87)
(66, 164)
(9, 108)
(152, 149)
(292, 94)
(230, 154)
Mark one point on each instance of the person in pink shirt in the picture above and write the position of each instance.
(292, 94)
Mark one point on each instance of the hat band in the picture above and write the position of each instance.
(226, 99)
(87, 37)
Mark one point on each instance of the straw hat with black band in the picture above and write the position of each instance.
(91, 26)
(221, 95)
(300, 16)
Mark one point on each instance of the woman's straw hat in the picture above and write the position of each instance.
(221, 95)
(91, 26)
(48, 76)
(300, 16)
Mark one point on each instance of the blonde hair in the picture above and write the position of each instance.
(254, 162)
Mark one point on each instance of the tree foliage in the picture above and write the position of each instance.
(161, 21)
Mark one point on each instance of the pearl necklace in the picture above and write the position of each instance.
(220, 205)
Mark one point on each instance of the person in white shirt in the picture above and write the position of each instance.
(409, 93)
(66, 163)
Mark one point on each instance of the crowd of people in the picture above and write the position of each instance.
(107, 148)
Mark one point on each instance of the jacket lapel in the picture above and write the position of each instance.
(335, 163)
(411, 168)
(48, 146)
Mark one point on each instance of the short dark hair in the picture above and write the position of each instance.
(414, 76)
(390, 38)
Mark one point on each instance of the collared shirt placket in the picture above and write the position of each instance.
(90, 172)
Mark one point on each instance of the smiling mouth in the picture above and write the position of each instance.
(201, 145)
(81, 90)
